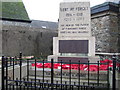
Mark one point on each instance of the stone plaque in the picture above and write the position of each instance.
(74, 19)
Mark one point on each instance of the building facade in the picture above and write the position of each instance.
(106, 27)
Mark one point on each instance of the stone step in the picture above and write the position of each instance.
(74, 74)
(67, 81)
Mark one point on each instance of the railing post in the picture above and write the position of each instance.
(2, 77)
(114, 73)
(108, 83)
(79, 76)
(98, 73)
(70, 74)
(35, 74)
(61, 75)
(52, 73)
(43, 71)
(6, 62)
(88, 73)
(20, 60)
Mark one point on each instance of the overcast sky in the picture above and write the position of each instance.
(48, 10)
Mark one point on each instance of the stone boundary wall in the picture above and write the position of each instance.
(20, 36)
(105, 29)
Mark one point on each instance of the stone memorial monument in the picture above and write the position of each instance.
(74, 41)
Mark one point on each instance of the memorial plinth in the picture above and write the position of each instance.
(74, 41)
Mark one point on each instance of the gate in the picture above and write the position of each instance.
(28, 74)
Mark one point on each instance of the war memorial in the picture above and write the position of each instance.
(74, 39)
(79, 55)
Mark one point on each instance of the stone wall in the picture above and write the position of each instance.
(16, 72)
(20, 36)
(119, 29)
(0, 38)
(105, 30)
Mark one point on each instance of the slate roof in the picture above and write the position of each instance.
(107, 6)
(44, 24)
(14, 10)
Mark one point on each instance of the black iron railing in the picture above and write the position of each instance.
(26, 75)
